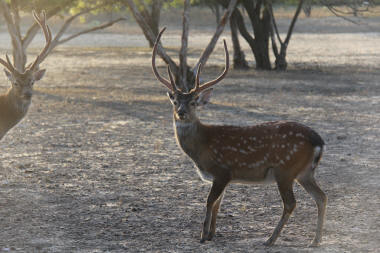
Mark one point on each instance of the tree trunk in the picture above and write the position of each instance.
(260, 21)
(182, 78)
(217, 13)
(261, 24)
(239, 57)
(307, 8)
(156, 15)
(151, 17)
(280, 62)
(149, 34)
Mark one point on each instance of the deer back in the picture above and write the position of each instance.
(249, 153)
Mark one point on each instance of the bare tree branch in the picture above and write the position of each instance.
(150, 35)
(67, 23)
(207, 52)
(292, 24)
(281, 63)
(92, 29)
(16, 18)
(19, 58)
(333, 10)
(183, 50)
(274, 23)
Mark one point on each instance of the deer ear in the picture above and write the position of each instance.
(39, 74)
(204, 97)
(8, 74)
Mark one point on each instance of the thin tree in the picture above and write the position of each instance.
(280, 62)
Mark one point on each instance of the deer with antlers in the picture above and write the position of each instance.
(14, 104)
(273, 152)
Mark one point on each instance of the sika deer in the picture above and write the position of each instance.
(14, 104)
(280, 152)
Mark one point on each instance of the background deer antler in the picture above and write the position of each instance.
(41, 20)
(184, 75)
(8, 64)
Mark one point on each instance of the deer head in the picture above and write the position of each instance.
(185, 103)
(22, 82)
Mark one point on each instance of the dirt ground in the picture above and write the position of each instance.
(95, 168)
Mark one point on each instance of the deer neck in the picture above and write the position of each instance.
(12, 109)
(189, 135)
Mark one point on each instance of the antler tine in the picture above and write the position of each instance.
(213, 82)
(172, 78)
(168, 84)
(197, 82)
(8, 64)
(48, 37)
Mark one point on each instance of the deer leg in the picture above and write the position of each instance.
(286, 191)
(214, 214)
(320, 198)
(215, 193)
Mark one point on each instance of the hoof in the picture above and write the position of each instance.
(314, 243)
(203, 238)
(268, 243)
(207, 237)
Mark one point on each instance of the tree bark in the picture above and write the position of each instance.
(156, 15)
(260, 20)
(239, 57)
(181, 78)
(280, 62)
(151, 17)
(150, 35)
(219, 29)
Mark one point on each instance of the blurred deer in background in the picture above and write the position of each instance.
(14, 104)
(273, 152)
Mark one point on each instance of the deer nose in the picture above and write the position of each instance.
(28, 94)
(181, 114)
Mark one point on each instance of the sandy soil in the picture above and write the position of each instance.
(95, 168)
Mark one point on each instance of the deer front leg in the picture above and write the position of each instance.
(214, 214)
(213, 202)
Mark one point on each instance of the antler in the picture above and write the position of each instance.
(47, 33)
(170, 84)
(8, 64)
(205, 86)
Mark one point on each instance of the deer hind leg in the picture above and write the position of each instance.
(287, 195)
(213, 202)
(310, 185)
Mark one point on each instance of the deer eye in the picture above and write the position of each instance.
(175, 103)
(192, 103)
